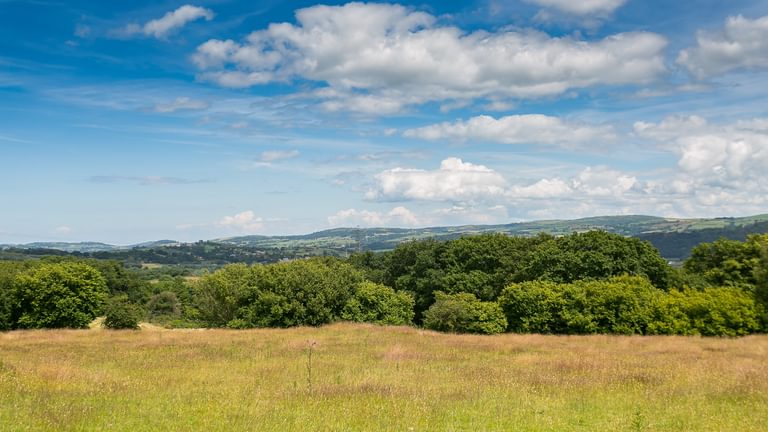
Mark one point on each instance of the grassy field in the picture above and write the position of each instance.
(377, 378)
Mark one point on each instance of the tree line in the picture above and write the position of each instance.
(582, 283)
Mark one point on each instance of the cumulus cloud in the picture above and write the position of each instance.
(181, 104)
(721, 166)
(244, 222)
(581, 7)
(727, 154)
(455, 180)
(720, 170)
(741, 44)
(463, 182)
(378, 58)
(398, 216)
(170, 22)
(591, 182)
(517, 129)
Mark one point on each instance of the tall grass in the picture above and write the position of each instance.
(378, 378)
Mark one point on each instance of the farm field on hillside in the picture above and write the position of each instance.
(364, 377)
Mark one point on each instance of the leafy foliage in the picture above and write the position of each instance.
(727, 262)
(303, 292)
(595, 255)
(164, 304)
(724, 311)
(120, 313)
(220, 294)
(622, 305)
(464, 313)
(59, 295)
(379, 304)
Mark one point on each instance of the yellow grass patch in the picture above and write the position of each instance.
(368, 377)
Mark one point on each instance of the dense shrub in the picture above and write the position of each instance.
(484, 264)
(464, 313)
(622, 305)
(302, 292)
(120, 313)
(219, 295)
(59, 295)
(379, 304)
(725, 311)
(164, 304)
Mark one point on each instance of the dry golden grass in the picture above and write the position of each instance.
(378, 378)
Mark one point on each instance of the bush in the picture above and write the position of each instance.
(218, 295)
(302, 292)
(725, 311)
(164, 304)
(59, 295)
(122, 314)
(620, 305)
(628, 305)
(464, 313)
(379, 304)
(534, 307)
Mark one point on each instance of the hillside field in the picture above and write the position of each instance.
(368, 378)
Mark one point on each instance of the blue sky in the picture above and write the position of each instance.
(131, 121)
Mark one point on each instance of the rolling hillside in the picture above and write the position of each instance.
(673, 237)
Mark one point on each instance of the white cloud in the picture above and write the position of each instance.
(378, 58)
(721, 166)
(462, 182)
(455, 180)
(517, 129)
(398, 216)
(591, 182)
(171, 21)
(181, 103)
(581, 7)
(62, 230)
(603, 181)
(276, 155)
(720, 171)
(245, 222)
(267, 158)
(461, 214)
(742, 44)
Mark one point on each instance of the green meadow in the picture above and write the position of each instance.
(374, 378)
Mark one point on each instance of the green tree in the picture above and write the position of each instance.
(302, 292)
(761, 278)
(59, 295)
(595, 255)
(464, 313)
(622, 305)
(484, 264)
(726, 262)
(379, 304)
(164, 304)
(220, 294)
(120, 313)
(8, 300)
(417, 267)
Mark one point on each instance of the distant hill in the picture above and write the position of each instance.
(673, 237)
